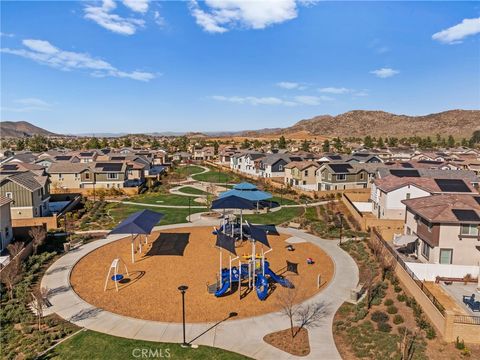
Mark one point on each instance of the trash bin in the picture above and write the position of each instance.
(66, 247)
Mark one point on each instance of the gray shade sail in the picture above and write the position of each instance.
(226, 242)
(141, 222)
(258, 234)
(232, 202)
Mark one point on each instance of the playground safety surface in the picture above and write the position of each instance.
(151, 293)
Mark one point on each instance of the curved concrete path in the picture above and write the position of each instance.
(244, 336)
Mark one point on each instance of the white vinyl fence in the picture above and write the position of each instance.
(429, 272)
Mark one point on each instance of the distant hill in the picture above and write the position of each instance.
(359, 123)
(21, 129)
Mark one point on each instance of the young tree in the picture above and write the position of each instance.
(282, 143)
(15, 248)
(216, 145)
(38, 235)
(326, 146)
(306, 145)
(368, 142)
(11, 275)
(450, 141)
(475, 139)
(380, 143)
(407, 344)
(39, 296)
(245, 144)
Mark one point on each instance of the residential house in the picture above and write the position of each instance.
(273, 165)
(68, 176)
(388, 193)
(204, 153)
(30, 194)
(6, 232)
(181, 156)
(446, 228)
(345, 175)
(302, 174)
(87, 156)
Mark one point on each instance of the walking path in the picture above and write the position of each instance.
(244, 336)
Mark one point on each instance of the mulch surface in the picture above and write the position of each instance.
(298, 346)
(150, 291)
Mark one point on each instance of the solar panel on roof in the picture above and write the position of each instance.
(335, 157)
(63, 157)
(86, 153)
(404, 173)
(361, 155)
(9, 167)
(109, 166)
(452, 185)
(407, 165)
(465, 215)
(340, 168)
(118, 158)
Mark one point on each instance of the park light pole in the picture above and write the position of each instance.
(340, 215)
(183, 289)
(189, 211)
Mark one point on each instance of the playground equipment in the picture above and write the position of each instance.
(114, 267)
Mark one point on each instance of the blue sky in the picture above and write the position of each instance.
(140, 66)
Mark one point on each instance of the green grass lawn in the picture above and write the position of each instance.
(172, 216)
(162, 199)
(185, 171)
(216, 177)
(283, 201)
(193, 191)
(277, 217)
(91, 345)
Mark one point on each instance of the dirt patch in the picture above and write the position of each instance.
(151, 292)
(298, 345)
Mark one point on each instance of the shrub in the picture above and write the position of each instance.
(379, 316)
(397, 288)
(392, 309)
(360, 314)
(430, 332)
(401, 297)
(460, 345)
(397, 319)
(388, 302)
(384, 327)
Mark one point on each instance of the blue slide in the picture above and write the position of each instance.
(282, 281)
(262, 287)
(224, 288)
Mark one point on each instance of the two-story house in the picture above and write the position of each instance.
(302, 174)
(344, 175)
(6, 232)
(30, 194)
(447, 228)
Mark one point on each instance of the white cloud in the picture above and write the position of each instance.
(271, 100)
(28, 104)
(219, 16)
(2, 34)
(384, 72)
(335, 90)
(455, 34)
(363, 92)
(312, 100)
(291, 85)
(140, 6)
(253, 100)
(102, 16)
(159, 19)
(43, 52)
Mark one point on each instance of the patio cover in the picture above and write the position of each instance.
(403, 240)
(245, 186)
(252, 195)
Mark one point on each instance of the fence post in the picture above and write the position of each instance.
(448, 331)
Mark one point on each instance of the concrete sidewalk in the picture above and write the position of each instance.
(244, 336)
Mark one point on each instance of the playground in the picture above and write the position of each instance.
(188, 255)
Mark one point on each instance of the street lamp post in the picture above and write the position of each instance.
(189, 211)
(183, 289)
(341, 226)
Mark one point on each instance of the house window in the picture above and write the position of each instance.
(426, 250)
(280, 167)
(408, 195)
(469, 229)
(87, 176)
(9, 195)
(446, 256)
(76, 176)
(306, 172)
(341, 177)
(7, 231)
(60, 177)
(362, 175)
(112, 176)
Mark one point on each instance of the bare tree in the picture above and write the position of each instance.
(406, 345)
(38, 235)
(39, 295)
(11, 275)
(369, 288)
(305, 316)
(309, 315)
(15, 248)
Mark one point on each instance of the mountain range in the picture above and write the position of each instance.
(356, 123)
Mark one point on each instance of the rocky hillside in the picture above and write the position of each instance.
(21, 129)
(459, 123)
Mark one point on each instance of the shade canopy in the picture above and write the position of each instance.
(245, 186)
(251, 195)
(259, 234)
(141, 222)
(404, 240)
(225, 242)
(232, 202)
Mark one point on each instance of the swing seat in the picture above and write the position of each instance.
(117, 277)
